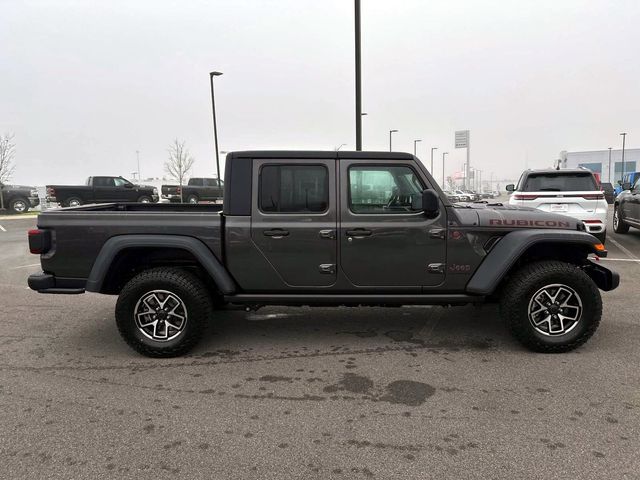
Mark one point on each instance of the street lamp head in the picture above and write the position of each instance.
(215, 74)
(364, 113)
(623, 133)
(417, 140)
(392, 131)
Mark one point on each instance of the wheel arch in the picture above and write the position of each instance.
(526, 246)
(124, 256)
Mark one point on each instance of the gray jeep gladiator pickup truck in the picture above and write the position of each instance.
(324, 228)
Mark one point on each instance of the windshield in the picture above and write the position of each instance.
(559, 182)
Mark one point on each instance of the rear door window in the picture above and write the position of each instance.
(559, 182)
(294, 189)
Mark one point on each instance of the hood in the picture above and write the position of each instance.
(501, 216)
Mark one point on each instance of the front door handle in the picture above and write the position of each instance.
(276, 233)
(358, 232)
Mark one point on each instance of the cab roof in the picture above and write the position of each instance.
(314, 154)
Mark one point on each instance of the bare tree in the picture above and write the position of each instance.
(7, 154)
(179, 163)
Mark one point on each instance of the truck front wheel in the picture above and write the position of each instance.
(551, 306)
(19, 205)
(163, 312)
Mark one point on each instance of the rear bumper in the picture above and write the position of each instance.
(47, 283)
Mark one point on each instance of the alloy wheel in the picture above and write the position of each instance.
(555, 310)
(160, 315)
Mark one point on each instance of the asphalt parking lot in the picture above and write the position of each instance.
(313, 393)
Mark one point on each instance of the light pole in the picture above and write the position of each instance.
(390, 133)
(138, 159)
(432, 149)
(443, 154)
(215, 128)
(358, 77)
(624, 136)
(610, 165)
(415, 143)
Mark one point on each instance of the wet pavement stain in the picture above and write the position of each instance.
(408, 392)
(351, 383)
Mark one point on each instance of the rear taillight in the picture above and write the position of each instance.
(179, 190)
(593, 196)
(39, 241)
(51, 192)
(524, 197)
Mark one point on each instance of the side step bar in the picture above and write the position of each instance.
(352, 299)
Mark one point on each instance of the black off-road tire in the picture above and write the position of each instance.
(193, 199)
(145, 199)
(619, 225)
(523, 285)
(181, 283)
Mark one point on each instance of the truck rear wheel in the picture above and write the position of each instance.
(163, 312)
(193, 199)
(72, 202)
(551, 306)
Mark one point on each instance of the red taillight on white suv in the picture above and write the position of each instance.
(593, 196)
(519, 196)
(39, 241)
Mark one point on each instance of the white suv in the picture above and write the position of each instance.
(574, 193)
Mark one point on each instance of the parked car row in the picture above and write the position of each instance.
(107, 189)
(469, 195)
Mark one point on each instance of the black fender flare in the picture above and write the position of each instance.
(199, 250)
(510, 248)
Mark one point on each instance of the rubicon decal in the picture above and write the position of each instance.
(529, 223)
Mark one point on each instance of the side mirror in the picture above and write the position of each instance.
(430, 203)
(511, 187)
(128, 185)
(626, 186)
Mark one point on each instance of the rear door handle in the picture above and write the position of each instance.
(358, 232)
(276, 233)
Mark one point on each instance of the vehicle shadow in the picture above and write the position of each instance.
(304, 330)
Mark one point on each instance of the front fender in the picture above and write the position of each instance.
(513, 245)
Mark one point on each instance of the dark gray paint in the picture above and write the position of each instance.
(392, 262)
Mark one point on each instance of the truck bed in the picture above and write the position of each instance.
(79, 233)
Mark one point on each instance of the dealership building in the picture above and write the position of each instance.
(598, 162)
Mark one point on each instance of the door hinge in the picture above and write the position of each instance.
(435, 268)
(327, 268)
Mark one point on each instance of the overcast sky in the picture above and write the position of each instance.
(83, 84)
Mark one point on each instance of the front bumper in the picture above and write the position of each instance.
(47, 283)
(605, 278)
